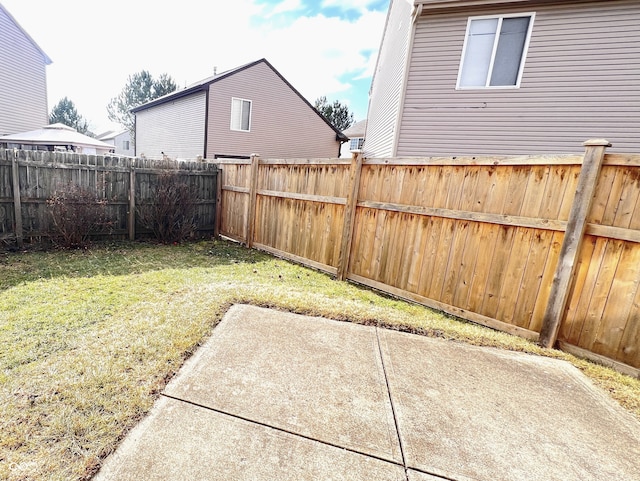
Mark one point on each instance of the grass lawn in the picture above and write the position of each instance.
(88, 339)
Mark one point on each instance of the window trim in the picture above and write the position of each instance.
(525, 51)
(359, 145)
(250, 115)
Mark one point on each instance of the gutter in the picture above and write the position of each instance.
(438, 5)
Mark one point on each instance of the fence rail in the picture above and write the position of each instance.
(29, 178)
(545, 247)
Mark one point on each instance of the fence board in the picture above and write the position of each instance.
(478, 237)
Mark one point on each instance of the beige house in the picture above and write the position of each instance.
(23, 80)
(249, 109)
(465, 77)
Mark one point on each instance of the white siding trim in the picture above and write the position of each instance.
(405, 80)
(386, 88)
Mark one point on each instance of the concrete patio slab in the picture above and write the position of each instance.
(468, 413)
(417, 476)
(278, 396)
(315, 377)
(179, 441)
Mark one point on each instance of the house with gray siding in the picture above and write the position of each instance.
(506, 77)
(121, 141)
(249, 109)
(23, 80)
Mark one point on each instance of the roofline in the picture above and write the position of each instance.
(431, 5)
(339, 135)
(54, 143)
(201, 86)
(205, 84)
(46, 58)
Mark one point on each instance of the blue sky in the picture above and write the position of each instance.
(322, 47)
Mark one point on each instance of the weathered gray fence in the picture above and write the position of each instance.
(29, 178)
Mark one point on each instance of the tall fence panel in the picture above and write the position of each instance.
(29, 178)
(488, 239)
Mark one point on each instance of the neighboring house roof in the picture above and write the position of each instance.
(203, 85)
(462, 3)
(356, 130)
(55, 134)
(111, 134)
(45, 57)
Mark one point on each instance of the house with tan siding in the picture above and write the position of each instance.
(23, 80)
(249, 109)
(507, 77)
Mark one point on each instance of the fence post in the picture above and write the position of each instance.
(253, 196)
(572, 242)
(132, 204)
(218, 213)
(349, 217)
(17, 203)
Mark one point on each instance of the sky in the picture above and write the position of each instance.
(322, 47)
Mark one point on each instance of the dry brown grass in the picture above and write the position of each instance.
(89, 338)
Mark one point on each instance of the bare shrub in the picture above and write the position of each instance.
(171, 211)
(76, 213)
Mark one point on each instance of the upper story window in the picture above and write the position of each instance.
(356, 143)
(125, 145)
(240, 114)
(494, 51)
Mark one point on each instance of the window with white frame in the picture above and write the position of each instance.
(125, 145)
(240, 114)
(356, 143)
(494, 51)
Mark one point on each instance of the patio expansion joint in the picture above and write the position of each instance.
(393, 408)
(276, 428)
(395, 420)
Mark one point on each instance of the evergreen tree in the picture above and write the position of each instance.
(141, 88)
(336, 113)
(65, 112)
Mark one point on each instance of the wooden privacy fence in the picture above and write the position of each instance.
(29, 178)
(545, 247)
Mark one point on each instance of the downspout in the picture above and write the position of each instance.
(417, 11)
(135, 141)
(206, 121)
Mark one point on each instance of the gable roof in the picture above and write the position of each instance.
(45, 57)
(356, 130)
(203, 85)
(110, 134)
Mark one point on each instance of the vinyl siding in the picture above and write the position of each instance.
(282, 124)
(23, 84)
(581, 80)
(118, 144)
(175, 128)
(387, 84)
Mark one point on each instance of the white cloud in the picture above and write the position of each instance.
(286, 6)
(361, 5)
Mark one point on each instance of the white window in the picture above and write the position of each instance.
(494, 51)
(356, 143)
(125, 145)
(240, 114)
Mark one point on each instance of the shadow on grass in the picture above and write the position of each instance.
(120, 258)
